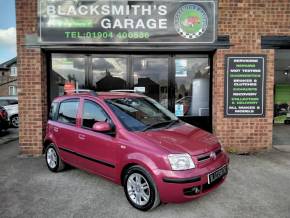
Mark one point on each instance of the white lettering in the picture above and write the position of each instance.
(105, 10)
(71, 11)
(151, 24)
(83, 10)
(51, 10)
(162, 10)
(129, 23)
(163, 24)
(117, 24)
(106, 23)
(146, 10)
(94, 10)
(140, 24)
(117, 10)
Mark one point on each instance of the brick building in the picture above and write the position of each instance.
(229, 49)
(8, 78)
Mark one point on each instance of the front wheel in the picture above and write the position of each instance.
(53, 160)
(140, 189)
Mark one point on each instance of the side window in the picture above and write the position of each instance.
(68, 112)
(53, 111)
(12, 102)
(3, 103)
(92, 113)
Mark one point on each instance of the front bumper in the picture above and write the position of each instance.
(4, 124)
(182, 186)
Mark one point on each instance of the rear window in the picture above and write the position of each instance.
(12, 102)
(68, 112)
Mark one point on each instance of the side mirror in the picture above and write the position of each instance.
(102, 127)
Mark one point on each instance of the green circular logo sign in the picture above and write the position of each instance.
(191, 21)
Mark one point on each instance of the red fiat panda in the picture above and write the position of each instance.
(132, 140)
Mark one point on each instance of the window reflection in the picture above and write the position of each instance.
(151, 75)
(192, 87)
(109, 73)
(67, 74)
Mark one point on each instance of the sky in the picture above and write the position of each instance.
(7, 30)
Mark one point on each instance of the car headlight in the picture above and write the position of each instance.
(181, 162)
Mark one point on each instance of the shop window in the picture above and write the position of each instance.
(109, 73)
(12, 90)
(282, 87)
(192, 76)
(92, 113)
(151, 77)
(68, 112)
(13, 71)
(67, 74)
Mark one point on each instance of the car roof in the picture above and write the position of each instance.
(100, 95)
(8, 98)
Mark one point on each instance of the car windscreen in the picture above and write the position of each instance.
(140, 113)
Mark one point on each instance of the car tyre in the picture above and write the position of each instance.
(140, 189)
(14, 121)
(53, 160)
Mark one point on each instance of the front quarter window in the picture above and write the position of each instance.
(140, 113)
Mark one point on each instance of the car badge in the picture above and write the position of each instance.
(212, 155)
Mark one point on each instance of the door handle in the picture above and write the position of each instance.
(82, 137)
(55, 129)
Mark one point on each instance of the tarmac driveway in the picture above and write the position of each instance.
(257, 186)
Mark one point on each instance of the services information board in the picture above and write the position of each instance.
(245, 85)
(120, 21)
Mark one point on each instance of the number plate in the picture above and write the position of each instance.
(217, 174)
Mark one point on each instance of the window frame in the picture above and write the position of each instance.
(14, 90)
(64, 101)
(110, 121)
(54, 116)
(13, 71)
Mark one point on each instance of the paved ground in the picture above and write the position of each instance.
(8, 136)
(281, 137)
(257, 186)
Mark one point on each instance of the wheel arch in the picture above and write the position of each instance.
(138, 159)
(46, 143)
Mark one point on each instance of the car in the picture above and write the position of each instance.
(10, 103)
(133, 141)
(4, 123)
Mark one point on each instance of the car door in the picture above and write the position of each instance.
(98, 149)
(66, 131)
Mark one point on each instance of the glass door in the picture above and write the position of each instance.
(192, 90)
(150, 76)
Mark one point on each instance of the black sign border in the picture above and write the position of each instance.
(226, 115)
(215, 32)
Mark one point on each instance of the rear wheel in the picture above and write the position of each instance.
(15, 121)
(140, 189)
(53, 160)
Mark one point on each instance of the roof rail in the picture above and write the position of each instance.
(127, 90)
(124, 90)
(84, 91)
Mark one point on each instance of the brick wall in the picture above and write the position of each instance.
(31, 82)
(245, 21)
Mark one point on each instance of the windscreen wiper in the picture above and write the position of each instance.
(154, 125)
(173, 122)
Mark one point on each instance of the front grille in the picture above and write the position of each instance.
(206, 157)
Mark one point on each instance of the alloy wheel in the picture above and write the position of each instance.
(138, 189)
(51, 158)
